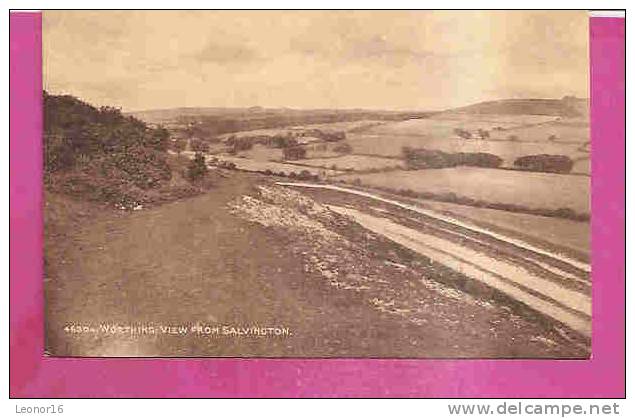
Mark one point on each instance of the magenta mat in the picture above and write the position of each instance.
(33, 375)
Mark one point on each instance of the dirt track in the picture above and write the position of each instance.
(250, 253)
(552, 284)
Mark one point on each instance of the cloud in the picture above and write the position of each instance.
(227, 53)
(314, 59)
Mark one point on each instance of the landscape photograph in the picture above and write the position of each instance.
(317, 184)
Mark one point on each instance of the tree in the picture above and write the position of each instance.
(197, 168)
(159, 139)
(294, 153)
(545, 163)
(484, 134)
(462, 133)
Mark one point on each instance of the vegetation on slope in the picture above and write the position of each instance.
(103, 155)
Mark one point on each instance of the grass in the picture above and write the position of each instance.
(502, 187)
(246, 164)
(354, 162)
(193, 262)
(569, 130)
(558, 233)
(437, 133)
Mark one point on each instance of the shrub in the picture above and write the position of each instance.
(332, 136)
(294, 153)
(58, 153)
(237, 144)
(305, 175)
(423, 158)
(227, 165)
(197, 169)
(545, 163)
(479, 159)
(462, 133)
(101, 154)
(484, 134)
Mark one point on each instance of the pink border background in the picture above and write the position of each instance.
(32, 375)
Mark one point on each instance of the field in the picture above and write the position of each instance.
(442, 125)
(420, 263)
(565, 130)
(559, 233)
(247, 164)
(353, 162)
(261, 153)
(333, 126)
(376, 145)
(532, 190)
(531, 135)
(240, 256)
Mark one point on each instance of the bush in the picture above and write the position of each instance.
(332, 136)
(462, 133)
(227, 165)
(545, 163)
(423, 158)
(294, 153)
(484, 134)
(479, 159)
(100, 154)
(197, 169)
(305, 175)
(237, 144)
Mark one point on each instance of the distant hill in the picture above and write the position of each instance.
(210, 122)
(270, 117)
(565, 107)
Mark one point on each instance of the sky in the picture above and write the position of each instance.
(401, 60)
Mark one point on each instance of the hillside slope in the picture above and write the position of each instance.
(565, 107)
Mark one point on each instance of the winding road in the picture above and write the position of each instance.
(550, 283)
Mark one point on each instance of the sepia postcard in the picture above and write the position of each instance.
(317, 184)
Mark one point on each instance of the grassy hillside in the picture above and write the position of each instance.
(209, 122)
(102, 155)
(565, 107)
